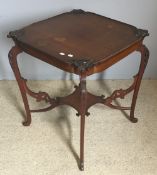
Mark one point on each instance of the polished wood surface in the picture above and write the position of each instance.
(77, 36)
(83, 43)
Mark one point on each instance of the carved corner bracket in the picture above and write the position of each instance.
(17, 34)
(82, 64)
(77, 11)
(141, 33)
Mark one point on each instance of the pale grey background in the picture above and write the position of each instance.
(15, 14)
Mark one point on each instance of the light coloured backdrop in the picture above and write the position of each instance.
(15, 14)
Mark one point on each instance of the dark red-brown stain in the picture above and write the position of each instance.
(83, 43)
(84, 35)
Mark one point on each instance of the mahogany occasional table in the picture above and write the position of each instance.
(82, 43)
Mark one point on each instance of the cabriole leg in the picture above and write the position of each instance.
(82, 119)
(14, 65)
(144, 59)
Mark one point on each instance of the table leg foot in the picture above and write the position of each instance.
(26, 123)
(133, 120)
(82, 166)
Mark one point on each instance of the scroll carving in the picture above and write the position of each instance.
(121, 93)
(91, 99)
(145, 54)
(40, 96)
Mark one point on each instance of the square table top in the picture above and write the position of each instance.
(79, 35)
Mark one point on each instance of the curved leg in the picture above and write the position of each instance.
(82, 119)
(13, 62)
(144, 59)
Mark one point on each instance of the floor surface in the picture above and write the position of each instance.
(50, 146)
